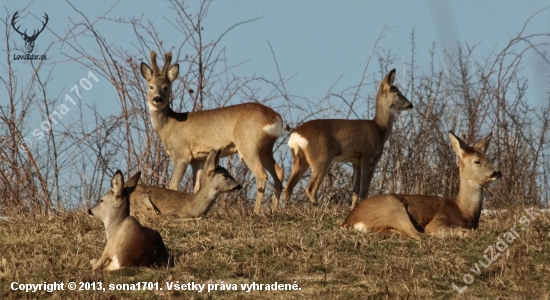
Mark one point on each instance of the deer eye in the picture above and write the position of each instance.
(477, 162)
(165, 88)
(151, 87)
(100, 200)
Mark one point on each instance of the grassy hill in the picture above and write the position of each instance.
(304, 246)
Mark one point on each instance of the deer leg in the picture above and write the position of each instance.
(404, 226)
(396, 217)
(317, 175)
(269, 164)
(99, 264)
(367, 169)
(299, 167)
(260, 184)
(441, 229)
(255, 165)
(177, 175)
(356, 184)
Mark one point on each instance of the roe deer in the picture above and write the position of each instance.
(128, 243)
(318, 143)
(210, 183)
(411, 214)
(249, 129)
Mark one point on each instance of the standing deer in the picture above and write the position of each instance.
(411, 214)
(128, 243)
(210, 183)
(318, 143)
(249, 129)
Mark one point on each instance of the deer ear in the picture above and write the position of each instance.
(218, 154)
(173, 72)
(130, 184)
(483, 144)
(387, 82)
(117, 183)
(212, 161)
(146, 71)
(458, 145)
(198, 181)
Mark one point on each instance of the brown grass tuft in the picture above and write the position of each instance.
(302, 245)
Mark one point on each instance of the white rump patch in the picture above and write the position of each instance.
(296, 142)
(360, 226)
(275, 129)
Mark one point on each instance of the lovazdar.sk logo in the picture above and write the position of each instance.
(29, 39)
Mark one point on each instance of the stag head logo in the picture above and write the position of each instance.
(29, 40)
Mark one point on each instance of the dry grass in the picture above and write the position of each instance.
(301, 244)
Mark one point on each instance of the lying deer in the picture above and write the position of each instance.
(249, 129)
(318, 143)
(128, 243)
(411, 214)
(210, 183)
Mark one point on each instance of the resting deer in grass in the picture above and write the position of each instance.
(411, 214)
(128, 243)
(249, 129)
(318, 143)
(210, 183)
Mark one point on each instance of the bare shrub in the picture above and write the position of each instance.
(454, 92)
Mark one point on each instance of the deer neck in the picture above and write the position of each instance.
(113, 223)
(470, 201)
(202, 200)
(159, 118)
(384, 118)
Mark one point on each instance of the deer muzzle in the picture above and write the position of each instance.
(496, 175)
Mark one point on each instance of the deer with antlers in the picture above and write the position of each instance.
(29, 40)
(249, 129)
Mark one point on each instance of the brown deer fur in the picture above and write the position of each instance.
(128, 243)
(249, 129)
(318, 143)
(152, 200)
(410, 215)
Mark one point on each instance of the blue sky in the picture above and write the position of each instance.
(317, 41)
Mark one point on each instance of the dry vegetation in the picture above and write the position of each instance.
(47, 237)
(300, 244)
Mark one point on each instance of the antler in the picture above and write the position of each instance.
(154, 63)
(167, 60)
(15, 16)
(43, 26)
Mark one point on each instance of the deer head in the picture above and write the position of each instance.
(29, 40)
(474, 165)
(159, 81)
